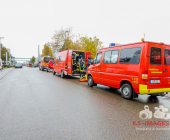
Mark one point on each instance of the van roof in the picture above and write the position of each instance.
(133, 44)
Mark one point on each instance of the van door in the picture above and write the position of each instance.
(69, 61)
(155, 66)
(166, 66)
(110, 68)
(96, 68)
(87, 54)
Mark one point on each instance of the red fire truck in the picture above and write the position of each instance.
(63, 63)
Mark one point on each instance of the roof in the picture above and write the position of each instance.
(133, 44)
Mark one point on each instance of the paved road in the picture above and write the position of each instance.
(39, 105)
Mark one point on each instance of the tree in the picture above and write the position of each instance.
(62, 39)
(3, 54)
(46, 51)
(33, 60)
(91, 44)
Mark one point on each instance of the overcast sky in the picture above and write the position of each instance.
(25, 24)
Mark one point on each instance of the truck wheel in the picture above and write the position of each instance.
(62, 74)
(54, 72)
(126, 91)
(90, 81)
(47, 70)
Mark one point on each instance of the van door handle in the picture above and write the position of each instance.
(99, 67)
(165, 70)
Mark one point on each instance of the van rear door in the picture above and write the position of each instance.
(69, 61)
(87, 54)
(155, 66)
(166, 66)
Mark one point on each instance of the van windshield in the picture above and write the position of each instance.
(167, 57)
(156, 57)
(46, 60)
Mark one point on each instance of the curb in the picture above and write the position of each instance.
(6, 74)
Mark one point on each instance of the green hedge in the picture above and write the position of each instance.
(6, 66)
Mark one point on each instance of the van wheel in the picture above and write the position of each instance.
(62, 74)
(126, 91)
(90, 81)
(54, 72)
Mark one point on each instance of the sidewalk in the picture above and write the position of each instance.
(5, 72)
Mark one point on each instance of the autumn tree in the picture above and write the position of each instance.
(3, 54)
(91, 44)
(46, 51)
(32, 60)
(62, 39)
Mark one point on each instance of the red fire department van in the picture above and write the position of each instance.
(50, 65)
(44, 62)
(138, 68)
(63, 63)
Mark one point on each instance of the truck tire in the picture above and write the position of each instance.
(90, 81)
(47, 70)
(62, 74)
(54, 72)
(126, 91)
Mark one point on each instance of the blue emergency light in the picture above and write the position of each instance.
(111, 44)
(48, 55)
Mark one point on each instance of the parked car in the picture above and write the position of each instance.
(137, 68)
(36, 65)
(18, 65)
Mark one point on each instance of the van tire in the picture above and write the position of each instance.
(90, 81)
(54, 72)
(62, 74)
(126, 91)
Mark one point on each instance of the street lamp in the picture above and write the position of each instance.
(0, 45)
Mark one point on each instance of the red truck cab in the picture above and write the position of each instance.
(29, 65)
(63, 62)
(137, 68)
(50, 65)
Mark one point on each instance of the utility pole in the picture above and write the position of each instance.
(38, 54)
(0, 46)
(6, 58)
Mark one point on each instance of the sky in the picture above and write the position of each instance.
(25, 24)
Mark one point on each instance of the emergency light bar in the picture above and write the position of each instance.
(113, 44)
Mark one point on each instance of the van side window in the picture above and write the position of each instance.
(155, 56)
(58, 60)
(130, 55)
(98, 58)
(167, 57)
(110, 57)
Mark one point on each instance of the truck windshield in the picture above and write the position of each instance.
(46, 60)
(156, 57)
(167, 57)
